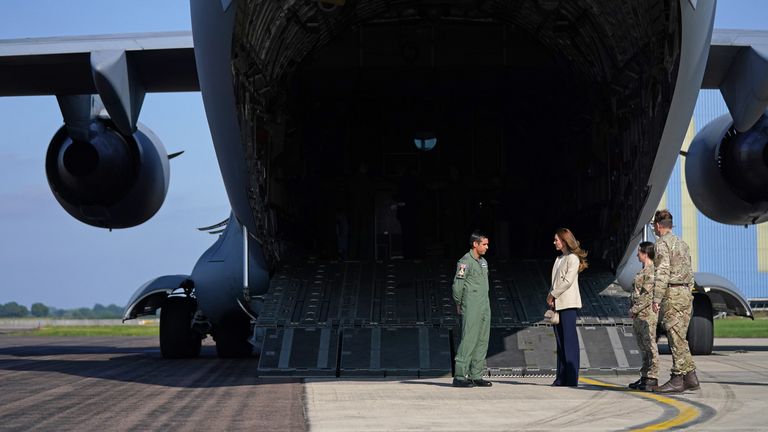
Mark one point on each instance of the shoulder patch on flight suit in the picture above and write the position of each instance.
(461, 271)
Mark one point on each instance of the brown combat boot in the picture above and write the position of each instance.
(674, 385)
(649, 384)
(691, 381)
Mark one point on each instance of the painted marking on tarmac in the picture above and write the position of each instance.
(686, 413)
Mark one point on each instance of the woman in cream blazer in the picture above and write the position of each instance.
(565, 298)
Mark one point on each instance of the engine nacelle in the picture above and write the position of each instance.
(727, 172)
(112, 180)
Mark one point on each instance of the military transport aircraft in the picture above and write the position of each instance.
(360, 141)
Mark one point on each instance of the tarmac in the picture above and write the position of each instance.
(93, 383)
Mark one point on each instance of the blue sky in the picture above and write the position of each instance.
(47, 256)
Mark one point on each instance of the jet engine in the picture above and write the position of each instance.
(727, 172)
(109, 180)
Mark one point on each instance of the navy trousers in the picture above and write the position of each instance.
(567, 349)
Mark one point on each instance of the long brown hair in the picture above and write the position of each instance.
(567, 237)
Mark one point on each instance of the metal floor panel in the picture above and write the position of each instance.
(299, 352)
(395, 351)
(398, 318)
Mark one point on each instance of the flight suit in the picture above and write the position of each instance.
(470, 292)
(645, 321)
(672, 290)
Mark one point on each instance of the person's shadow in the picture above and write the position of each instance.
(449, 384)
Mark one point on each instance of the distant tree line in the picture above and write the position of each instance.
(39, 310)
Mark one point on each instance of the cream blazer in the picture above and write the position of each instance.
(565, 282)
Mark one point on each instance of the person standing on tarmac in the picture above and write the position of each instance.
(645, 319)
(565, 298)
(672, 293)
(470, 292)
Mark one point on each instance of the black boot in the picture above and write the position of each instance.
(691, 381)
(674, 385)
(637, 383)
(463, 382)
(482, 383)
(648, 384)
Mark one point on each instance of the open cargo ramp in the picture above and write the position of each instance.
(397, 318)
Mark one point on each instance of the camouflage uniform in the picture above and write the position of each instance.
(645, 321)
(672, 290)
(470, 292)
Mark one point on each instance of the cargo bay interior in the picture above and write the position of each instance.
(435, 136)
(393, 129)
(386, 128)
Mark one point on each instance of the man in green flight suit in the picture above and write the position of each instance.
(470, 292)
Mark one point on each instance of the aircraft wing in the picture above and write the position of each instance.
(165, 61)
(725, 47)
(738, 66)
(160, 62)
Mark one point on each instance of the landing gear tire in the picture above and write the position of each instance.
(232, 341)
(177, 339)
(701, 336)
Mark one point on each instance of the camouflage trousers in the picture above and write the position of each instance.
(677, 307)
(644, 326)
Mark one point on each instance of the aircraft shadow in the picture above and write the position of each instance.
(137, 365)
(54, 350)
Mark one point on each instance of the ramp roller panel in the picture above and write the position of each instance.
(377, 307)
(435, 357)
(601, 304)
(603, 348)
(299, 352)
(540, 347)
(395, 351)
(518, 293)
(303, 295)
(408, 293)
(357, 353)
(524, 352)
(610, 347)
(629, 345)
(505, 353)
(598, 347)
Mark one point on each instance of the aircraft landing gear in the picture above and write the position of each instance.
(701, 328)
(177, 338)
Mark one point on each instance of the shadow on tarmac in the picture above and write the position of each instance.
(53, 350)
(738, 383)
(429, 383)
(137, 365)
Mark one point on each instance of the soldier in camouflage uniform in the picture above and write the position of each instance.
(470, 292)
(672, 295)
(645, 319)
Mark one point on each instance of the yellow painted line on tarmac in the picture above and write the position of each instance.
(685, 412)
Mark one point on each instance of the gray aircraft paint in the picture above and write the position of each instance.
(219, 271)
(218, 274)
(697, 32)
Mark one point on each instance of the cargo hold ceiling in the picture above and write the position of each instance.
(627, 50)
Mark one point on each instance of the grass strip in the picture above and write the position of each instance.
(741, 328)
(109, 330)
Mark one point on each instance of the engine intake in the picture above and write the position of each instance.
(727, 172)
(111, 180)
